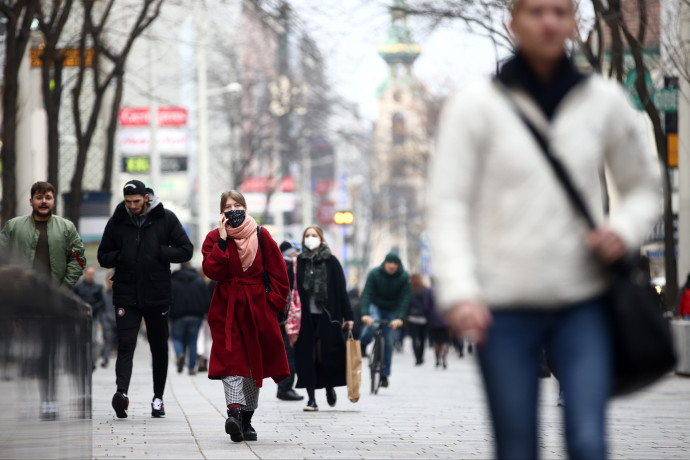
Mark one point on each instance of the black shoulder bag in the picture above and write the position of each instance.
(642, 343)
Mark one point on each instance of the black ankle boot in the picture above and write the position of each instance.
(247, 429)
(233, 425)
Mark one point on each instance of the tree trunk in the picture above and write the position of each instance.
(17, 39)
(107, 182)
(636, 48)
(52, 98)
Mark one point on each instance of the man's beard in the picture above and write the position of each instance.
(38, 214)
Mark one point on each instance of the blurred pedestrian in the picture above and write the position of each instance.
(188, 306)
(204, 340)
(285, 391)
(353, 294)
(516, 264)
(108, 321)
(320, 346)
(247, 345)
(438, 330)
(386, 296)
(418, 316)
(92, 293)
(140, 241)
(52, 247)
(682, 309)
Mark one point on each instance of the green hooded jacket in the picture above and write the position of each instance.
(388, 292)
(20, 237)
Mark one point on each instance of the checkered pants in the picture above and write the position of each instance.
(242, 391)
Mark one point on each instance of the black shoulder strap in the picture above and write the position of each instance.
(267, 280)
(556, 165)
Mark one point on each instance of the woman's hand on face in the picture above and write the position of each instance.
(221, 227)
(348, 325)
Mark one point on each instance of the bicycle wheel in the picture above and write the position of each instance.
(376, 363)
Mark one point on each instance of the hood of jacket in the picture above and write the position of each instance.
(392, 257)
(154, 209)
(185, 275)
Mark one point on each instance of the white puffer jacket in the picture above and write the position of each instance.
(502, 229)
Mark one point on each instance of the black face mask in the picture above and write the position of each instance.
(235, 217)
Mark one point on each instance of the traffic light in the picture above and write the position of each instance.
(343, 218)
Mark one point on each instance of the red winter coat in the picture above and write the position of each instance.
(242, 318)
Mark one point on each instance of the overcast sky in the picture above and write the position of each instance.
(349, 31)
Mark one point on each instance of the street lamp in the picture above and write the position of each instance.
(203, 94)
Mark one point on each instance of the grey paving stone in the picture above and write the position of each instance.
(425, 413)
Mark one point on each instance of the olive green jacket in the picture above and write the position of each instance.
(20, 237)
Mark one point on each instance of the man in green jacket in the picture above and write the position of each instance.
(47, 243)
(386, 296)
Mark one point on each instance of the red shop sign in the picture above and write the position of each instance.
(172, 116)
(134, 116)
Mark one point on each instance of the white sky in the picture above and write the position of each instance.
(348, 33)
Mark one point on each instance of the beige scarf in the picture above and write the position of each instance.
(246, 241)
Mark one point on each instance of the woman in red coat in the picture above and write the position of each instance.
(247, 345)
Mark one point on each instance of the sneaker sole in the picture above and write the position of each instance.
(250, 437)
(310, 409)
(157, 413)
(120, 406)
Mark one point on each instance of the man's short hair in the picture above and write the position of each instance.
(42, 187)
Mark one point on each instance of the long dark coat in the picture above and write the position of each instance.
(242, 318)
(331, 370)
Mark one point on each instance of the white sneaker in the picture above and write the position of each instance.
(157, 408)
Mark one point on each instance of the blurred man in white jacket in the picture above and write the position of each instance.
(516, 265)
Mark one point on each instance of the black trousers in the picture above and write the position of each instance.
(286, 385)
(418, 335)
(128, 322)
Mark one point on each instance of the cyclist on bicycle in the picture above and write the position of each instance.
(386, 296)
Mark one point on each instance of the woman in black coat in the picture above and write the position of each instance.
(320, 347)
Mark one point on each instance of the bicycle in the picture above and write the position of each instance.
(376, 362)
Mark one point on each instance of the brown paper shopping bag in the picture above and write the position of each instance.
(354, 367)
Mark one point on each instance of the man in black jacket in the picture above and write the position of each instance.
(285, 390)
(190, 302)
(140, 241)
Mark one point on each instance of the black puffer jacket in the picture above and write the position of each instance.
(142, 254)
(190, 296)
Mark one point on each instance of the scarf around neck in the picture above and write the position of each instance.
(315, 274)
(246, 241)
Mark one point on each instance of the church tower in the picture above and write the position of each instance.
(401, 148)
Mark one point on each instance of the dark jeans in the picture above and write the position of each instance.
(418, 335)
(368, 335)
(286, 385)
(128, 323)
(184, 332)
(578, 343)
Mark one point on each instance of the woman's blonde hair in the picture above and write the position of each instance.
(318, 231)
(235, 195)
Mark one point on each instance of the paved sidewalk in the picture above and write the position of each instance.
(426, 412)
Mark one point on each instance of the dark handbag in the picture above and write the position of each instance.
(642, 343)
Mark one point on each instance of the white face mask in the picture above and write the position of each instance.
(312, 242)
